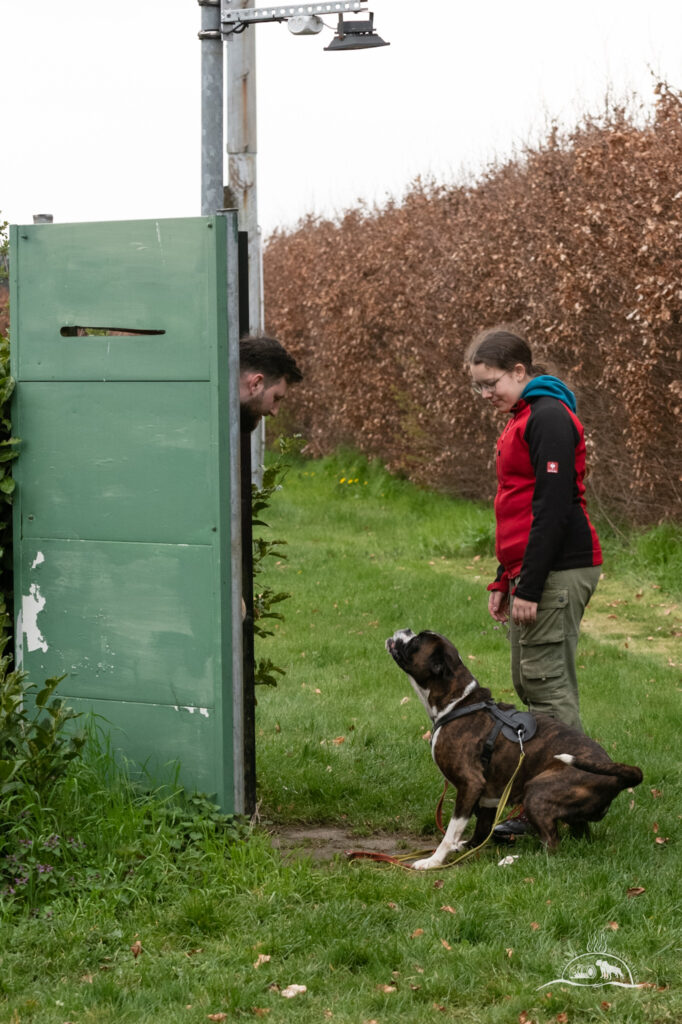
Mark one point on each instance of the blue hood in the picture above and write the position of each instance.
(545, 384)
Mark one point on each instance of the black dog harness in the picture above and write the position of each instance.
(514, 725)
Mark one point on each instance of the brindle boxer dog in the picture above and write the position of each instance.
(565, 776)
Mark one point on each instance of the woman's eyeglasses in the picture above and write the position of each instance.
(487, 385)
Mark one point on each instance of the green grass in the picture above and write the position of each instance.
(363, 560)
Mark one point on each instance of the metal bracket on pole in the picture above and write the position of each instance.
(236, 20)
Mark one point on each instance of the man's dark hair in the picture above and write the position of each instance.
(261, 354)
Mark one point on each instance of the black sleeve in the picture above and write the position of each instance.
(552, 439)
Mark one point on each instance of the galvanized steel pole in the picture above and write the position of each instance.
(211, 108)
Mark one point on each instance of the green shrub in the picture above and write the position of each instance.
(35, 748)
(265, 599)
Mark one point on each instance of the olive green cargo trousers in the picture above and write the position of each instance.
(543, 652)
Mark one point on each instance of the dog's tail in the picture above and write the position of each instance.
(628, 774)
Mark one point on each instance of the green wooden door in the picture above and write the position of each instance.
(127, 516)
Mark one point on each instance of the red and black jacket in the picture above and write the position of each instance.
(542, 521)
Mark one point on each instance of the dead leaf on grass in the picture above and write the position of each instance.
(416, 933)
(293, 990)
(448, 909)
(635, 890)
(136, 948)
(216, 1016)
(386, 988)
(534, 925)
(613, 925)
(263, 958)
(446, 945)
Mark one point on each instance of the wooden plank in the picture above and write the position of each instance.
(124, 621)
(117, 461)
(185, 741)
(128, 275)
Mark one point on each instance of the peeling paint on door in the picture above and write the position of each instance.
(32, 605)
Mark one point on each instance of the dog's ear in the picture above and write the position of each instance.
(436, 663)
(441, 663)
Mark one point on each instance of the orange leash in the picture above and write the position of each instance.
(439, 809)
(385, 858)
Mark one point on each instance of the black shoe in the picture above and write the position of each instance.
(508, 831)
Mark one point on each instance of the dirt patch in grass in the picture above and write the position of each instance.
(324, 842)
(642, 622)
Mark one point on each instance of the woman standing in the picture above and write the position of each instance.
(548, 550)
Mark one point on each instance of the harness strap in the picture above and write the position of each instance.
(487, 752)
(468, 709)
(514, 724)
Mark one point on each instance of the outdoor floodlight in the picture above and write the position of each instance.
(305, 20)
(355, 35)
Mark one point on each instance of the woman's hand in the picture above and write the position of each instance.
(524, 612)
(498, 604)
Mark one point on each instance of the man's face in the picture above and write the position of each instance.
(259, 396)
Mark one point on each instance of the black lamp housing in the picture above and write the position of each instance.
(355, 35)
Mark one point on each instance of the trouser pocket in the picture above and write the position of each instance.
(542, 642)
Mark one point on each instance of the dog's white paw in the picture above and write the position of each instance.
(426, 864)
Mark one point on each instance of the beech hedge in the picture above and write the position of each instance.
(577, 241)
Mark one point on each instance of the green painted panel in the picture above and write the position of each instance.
(184, 742)
(134, 622)
(117, 461)
(145, 275)
(126, 520)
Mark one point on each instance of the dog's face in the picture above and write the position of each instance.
(433, 665)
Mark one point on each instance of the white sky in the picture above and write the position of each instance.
(101, 101)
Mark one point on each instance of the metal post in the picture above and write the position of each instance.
(242, 153)
(211, 108)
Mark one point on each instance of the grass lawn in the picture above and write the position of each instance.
(225, 924)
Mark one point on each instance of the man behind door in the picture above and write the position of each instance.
(266, 370)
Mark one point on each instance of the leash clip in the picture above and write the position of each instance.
(519, 733)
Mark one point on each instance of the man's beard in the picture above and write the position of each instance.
(248, 419)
